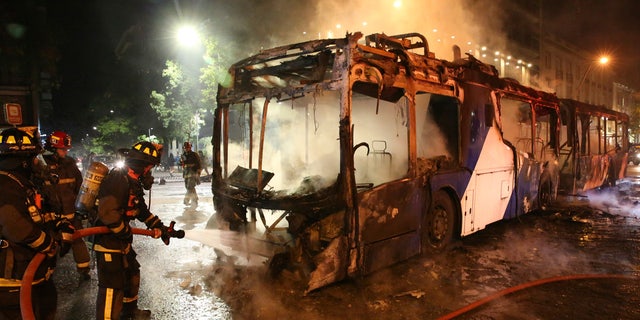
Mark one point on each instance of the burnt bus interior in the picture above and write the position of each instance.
(594, 143)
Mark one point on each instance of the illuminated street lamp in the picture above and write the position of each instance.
(188, 36)
(603, 60)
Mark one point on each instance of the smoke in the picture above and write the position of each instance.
(301, 146)
(621, 200)
(254, 25)
(444, 23)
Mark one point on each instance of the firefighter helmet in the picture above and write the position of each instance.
(58, 140)
(144, 151)
(14, 141)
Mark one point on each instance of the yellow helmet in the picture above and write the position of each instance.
(144, 151)
(14, 141)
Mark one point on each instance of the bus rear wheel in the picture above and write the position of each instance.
(439, 223)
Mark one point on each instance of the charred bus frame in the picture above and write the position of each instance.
(593, 146)
(420, 151)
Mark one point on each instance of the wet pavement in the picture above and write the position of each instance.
(575, 261)
(166, 285)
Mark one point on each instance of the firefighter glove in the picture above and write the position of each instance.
(66, 230)
(166, 235)
(49, 247)
(157, 232)
(169, 232)
(51, 250)
(147, 181)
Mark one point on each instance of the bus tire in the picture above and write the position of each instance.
(439, 223)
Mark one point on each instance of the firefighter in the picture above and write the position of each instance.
(65, 192)
(25, 229)
(120, 200)
(191, 169)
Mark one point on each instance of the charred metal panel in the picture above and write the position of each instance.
(248, 179)
(596, 169)
(527, 188)
(384, 253)
(389, 210)
(582, 169)
(331, 265)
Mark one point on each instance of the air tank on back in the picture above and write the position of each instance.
(86, 200)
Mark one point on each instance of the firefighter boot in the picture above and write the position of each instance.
(194, 200)
(130, 311)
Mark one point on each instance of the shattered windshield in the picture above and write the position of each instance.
(301, 147)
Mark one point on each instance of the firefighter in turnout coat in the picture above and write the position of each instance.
(65, 192)
(25, 228)
(191, 169)
(120, 200)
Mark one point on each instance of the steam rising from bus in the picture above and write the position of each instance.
(301, 140)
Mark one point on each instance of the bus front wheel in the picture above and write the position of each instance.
(439, 223)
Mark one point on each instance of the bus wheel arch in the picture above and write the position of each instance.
(440, 226)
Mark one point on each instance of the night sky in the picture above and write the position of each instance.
(601, 26)
(93, 28)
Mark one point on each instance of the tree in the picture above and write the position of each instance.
(177, 103)
(183, 100)
(217, 61)
(111, 134)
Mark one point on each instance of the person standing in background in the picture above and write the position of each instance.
(191, 169)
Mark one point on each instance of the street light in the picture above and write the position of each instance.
(603, 60)
(188, 36)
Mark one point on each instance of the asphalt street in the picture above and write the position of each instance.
(167, 285)
(207, 275)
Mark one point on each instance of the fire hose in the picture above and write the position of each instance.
(26, 306)
(507, 291)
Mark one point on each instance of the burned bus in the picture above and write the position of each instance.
(593, 146)
(367, 151)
